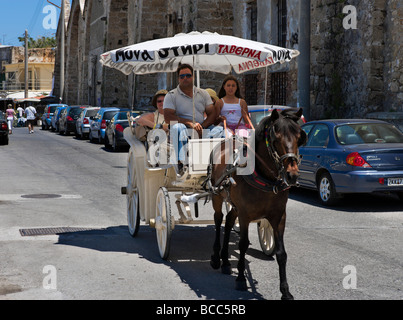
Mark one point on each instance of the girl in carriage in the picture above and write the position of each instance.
(232, 108)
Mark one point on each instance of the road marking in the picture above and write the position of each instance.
(28, 197)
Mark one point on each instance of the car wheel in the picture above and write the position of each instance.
(107, 144)
(327, 190)
(4, 140)
(115, 145)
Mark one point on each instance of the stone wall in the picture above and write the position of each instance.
(393, 55)
(355, 71)
(96, 26)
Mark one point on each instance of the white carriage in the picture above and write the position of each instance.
(149, 185)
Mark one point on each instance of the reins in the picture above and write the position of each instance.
(277, 184)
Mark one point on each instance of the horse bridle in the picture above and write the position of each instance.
(270, 137)
(279, 184)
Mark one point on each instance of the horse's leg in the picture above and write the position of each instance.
(281, 257)
(218, 217)
(229, 224)
(240, 283)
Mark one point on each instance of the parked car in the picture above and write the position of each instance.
(67, 122)
(48, 114)
(83, 121)
(114, 131)
(3, 129)
(56, 117)
(258, 112)
(99, 123)
(351, 156)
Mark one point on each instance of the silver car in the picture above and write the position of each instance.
(83, 122)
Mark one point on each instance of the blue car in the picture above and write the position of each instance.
(114, 138)
(351, 156)
(100, 122)
(48, 114)
(56, 117)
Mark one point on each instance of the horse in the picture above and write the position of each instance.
(263, 194)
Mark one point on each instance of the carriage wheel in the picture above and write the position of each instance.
(132, 196)
(164, 222)
(266, 237)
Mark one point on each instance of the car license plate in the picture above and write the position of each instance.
(395, 182)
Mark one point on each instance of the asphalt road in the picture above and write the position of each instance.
(353, 251)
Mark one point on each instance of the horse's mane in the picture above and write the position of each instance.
(283, 125)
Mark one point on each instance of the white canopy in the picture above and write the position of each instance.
(205, 51)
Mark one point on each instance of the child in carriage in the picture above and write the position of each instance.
(232, 108)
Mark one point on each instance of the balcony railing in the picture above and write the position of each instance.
(32, 85)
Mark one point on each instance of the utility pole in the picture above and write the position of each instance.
(304, 60)
(62, 50)
(26, 65)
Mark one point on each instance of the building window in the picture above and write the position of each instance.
(253, 20)
(282, 23)
(279, 88)
(251, 89)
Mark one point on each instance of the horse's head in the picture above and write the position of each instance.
(283, 135)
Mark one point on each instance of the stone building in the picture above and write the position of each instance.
(356, 71)
(353, 72)
(12, 72)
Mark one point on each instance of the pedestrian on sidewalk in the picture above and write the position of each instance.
(31, 116)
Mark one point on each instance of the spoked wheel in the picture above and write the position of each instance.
(164, 222)
(266, 237)
(132, 196)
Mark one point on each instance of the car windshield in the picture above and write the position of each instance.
(1, 115)
(91, 112)
(108, 115)
(123, 115)
(75, 111)
(257, 115)
(362, 133)
(52, 109)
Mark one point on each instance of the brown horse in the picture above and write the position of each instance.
(263, 194)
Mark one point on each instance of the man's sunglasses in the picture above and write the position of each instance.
(187, 75)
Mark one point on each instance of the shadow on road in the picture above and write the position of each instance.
(374, 202)
(191, 247)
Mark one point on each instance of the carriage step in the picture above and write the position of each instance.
(123, 190)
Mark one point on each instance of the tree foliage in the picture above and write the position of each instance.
(40, 42)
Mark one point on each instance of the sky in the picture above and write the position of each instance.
(39, 17)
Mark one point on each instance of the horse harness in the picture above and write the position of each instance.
(278, 184)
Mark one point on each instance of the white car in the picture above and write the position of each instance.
(83, 122)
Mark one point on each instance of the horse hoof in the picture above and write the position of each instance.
(226, 269)
(240, 285)
(215, 264)
(287, 297)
